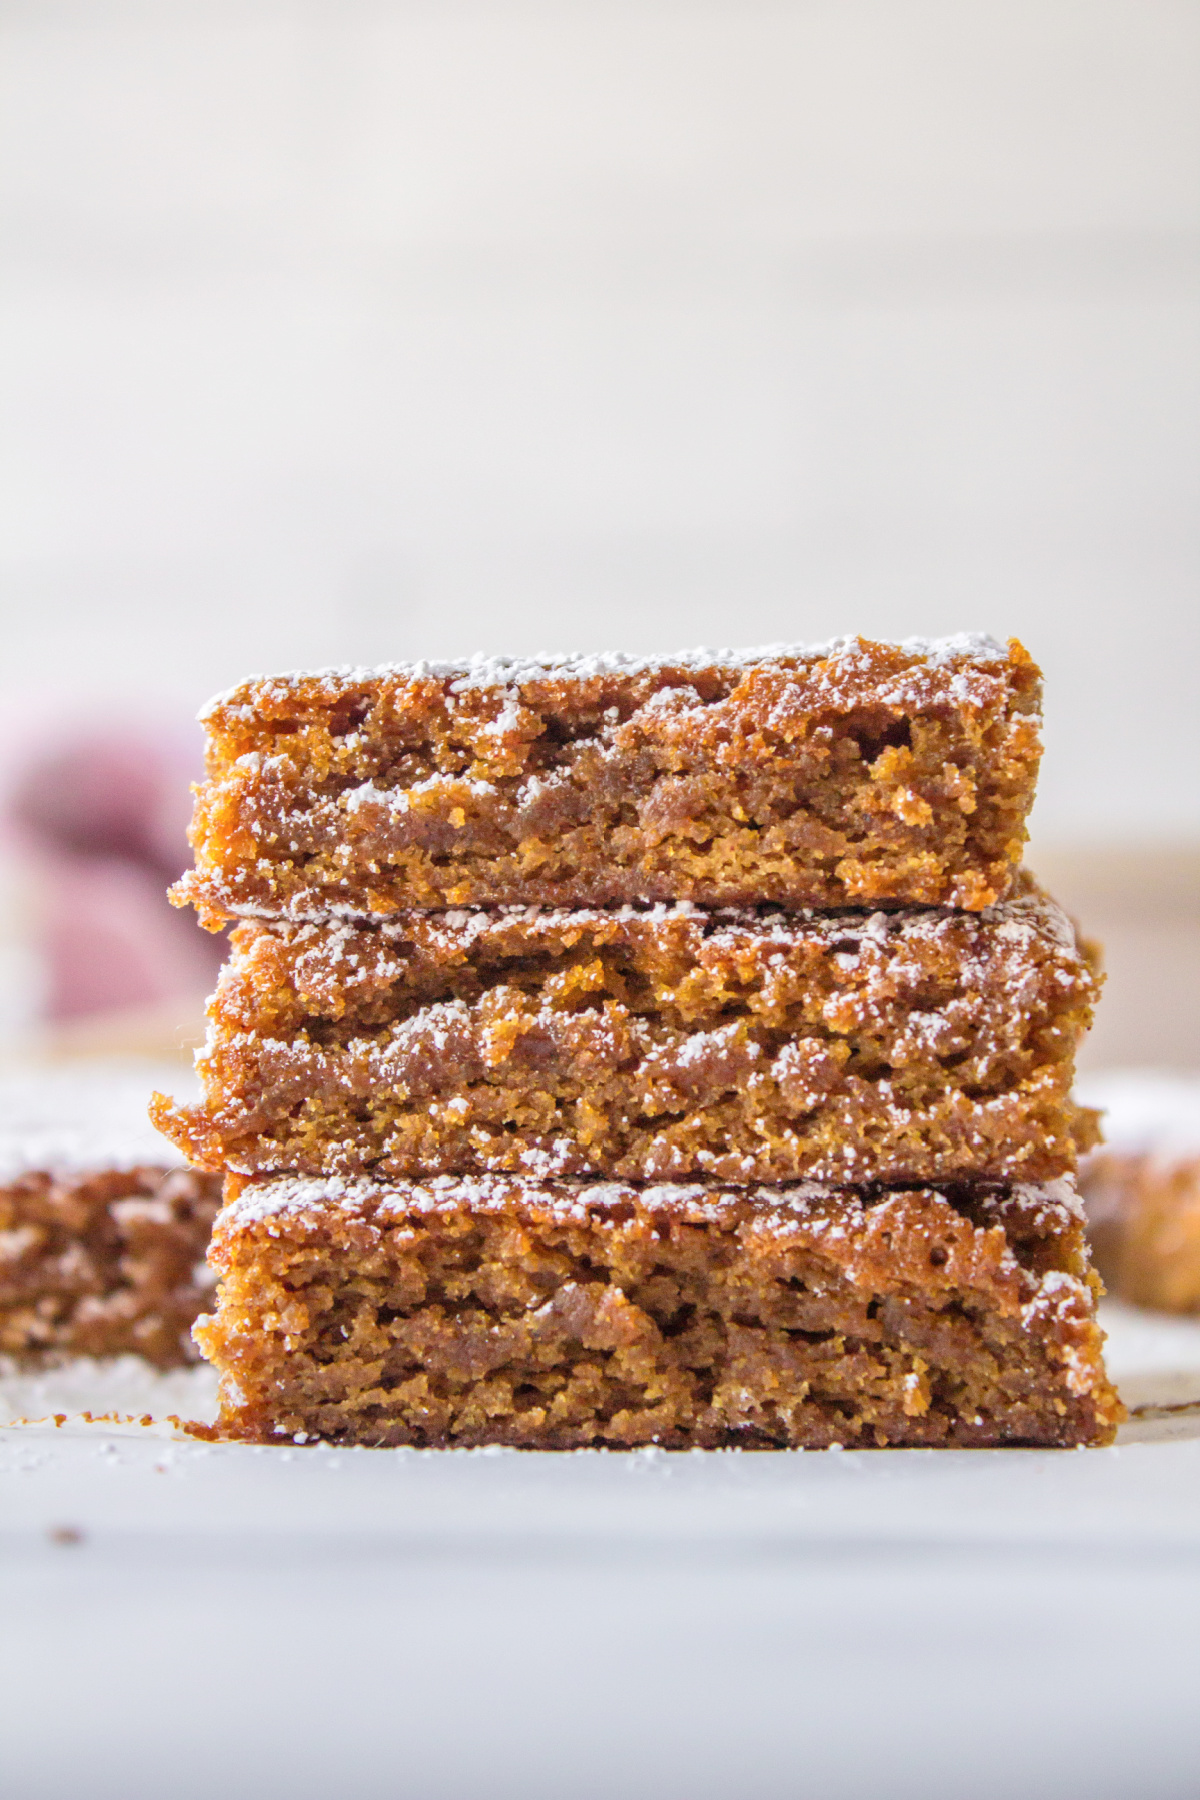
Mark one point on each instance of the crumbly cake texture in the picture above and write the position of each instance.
(105, 1264)
(1142, 1189)
(68, 1119)
(850, 773)
(102, 1235)
(649, 1045)
(560, 1316)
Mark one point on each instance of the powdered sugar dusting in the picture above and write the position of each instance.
(507, 673)
(1036, 1196)
(1063, 1300)
(294, 1196)
(77, 1119)
(105, 1385)
(1018, 922)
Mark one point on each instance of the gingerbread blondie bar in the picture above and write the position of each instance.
(744, 1046)
(852, 773)
(1142, 1188)
(555, 1316)
(102, 1234)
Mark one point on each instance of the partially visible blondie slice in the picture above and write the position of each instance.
(102, 1233)
(1142, 1188)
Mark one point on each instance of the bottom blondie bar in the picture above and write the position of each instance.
(499, 1310)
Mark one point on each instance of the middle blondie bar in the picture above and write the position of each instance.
(740, 1046)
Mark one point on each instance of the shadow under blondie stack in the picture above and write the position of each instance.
(617, 1051)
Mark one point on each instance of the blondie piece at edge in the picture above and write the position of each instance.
(558, 1316)
(671, 1043)
(1142, 1188)
(852, 773)
(102, 1234)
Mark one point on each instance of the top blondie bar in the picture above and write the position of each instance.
(852, 773)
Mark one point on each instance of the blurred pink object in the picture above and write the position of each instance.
(100, 817)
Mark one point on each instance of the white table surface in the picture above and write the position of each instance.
(183, 1619)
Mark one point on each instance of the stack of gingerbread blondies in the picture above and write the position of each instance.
(617, 1051)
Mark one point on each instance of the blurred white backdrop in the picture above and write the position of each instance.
(364, 329)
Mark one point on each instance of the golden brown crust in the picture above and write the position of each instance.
(104, 1264)
(649, 1045)
(552, 1316)
(860, 774)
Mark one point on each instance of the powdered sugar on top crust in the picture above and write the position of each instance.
(1146, 1112)
(510, 672)
(83, 1119)
(1062, 1192)
(1018, 922)
(294, 1196)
